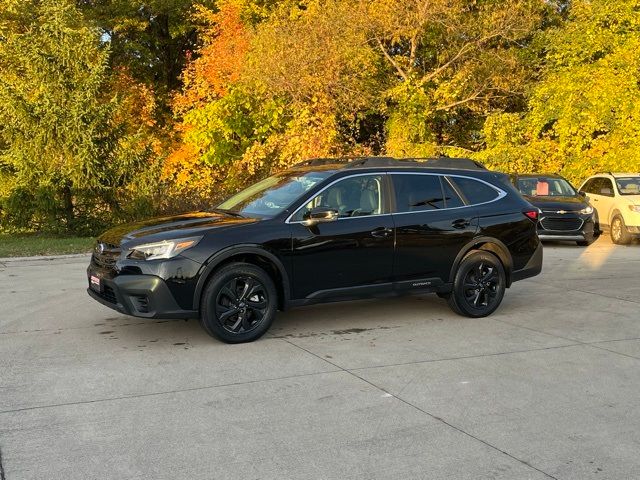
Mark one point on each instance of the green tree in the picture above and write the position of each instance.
(583, 116)
(71, 152)
(151, 38)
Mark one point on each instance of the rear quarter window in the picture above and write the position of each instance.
(474, 191)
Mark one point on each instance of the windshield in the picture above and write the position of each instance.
(628, 185)
(274, 194)
(545, 187)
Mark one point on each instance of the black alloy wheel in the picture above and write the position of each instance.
(479, 285)
(239, 303)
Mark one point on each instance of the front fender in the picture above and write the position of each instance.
(246, 249)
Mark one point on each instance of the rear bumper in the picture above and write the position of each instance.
(145, 296)
(532, 268)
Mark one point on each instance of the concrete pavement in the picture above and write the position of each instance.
(547, 387)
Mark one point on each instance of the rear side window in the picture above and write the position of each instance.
(418, 192)
(451, 197)
(473, 191)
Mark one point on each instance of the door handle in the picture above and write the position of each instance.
(460, 223)
(381, 232)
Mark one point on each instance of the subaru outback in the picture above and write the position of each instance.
(325, 230)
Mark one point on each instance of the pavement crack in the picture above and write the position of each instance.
(458, 429)
(578, 342)
(435, 417)
(467, 357)
(167, 392)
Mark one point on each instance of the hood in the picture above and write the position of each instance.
(634, 199)
(165, 228)
(558, 203)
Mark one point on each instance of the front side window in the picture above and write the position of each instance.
(628, 185)
(351, 197)
(415, 192)
(604, 187)
(473, 191)
(545, 187)
(274, 194)
(588, 186)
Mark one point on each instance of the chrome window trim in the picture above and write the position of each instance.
(309, 199)
(501, 194)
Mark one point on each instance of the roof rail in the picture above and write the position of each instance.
(313, 162)
(369, 162)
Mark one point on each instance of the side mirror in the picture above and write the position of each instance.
(582, 194)
(320, 215)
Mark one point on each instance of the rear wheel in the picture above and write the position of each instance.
(239, 303)
(619, 233)
(479, 285)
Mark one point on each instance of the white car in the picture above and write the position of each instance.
(616, 199)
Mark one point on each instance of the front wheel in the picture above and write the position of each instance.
(479, 285)
(619, 233)
(588, 240)
(239, 303)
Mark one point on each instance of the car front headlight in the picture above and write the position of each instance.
(588, 210)
(634, 208)
(163, 249)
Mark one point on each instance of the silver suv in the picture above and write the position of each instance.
(616, 199)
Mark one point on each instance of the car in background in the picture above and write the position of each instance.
(616, 199)
(324, 231)
(565, 215)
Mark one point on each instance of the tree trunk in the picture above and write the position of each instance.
(67, 199)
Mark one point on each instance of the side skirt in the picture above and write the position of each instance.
(381, 290)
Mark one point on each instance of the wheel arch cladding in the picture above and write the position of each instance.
(615, 213)
(487, 244)
(246, 254)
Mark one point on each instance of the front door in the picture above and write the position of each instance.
(600, 194)
(432, 225)
(353, 253)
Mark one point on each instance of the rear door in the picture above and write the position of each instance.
(432, 224)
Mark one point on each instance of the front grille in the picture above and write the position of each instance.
(105, 255)
(561, 224)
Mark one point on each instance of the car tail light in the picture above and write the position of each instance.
(532, 213)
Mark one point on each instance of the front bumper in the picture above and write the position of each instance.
(146, 296)
(585, 232)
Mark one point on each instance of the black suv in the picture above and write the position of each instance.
(325, 230)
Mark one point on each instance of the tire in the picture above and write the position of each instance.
(482, 270)
(239, 303)
(587, 241)
(619, 233)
